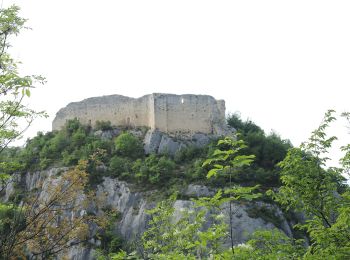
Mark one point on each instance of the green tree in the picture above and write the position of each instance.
(154, 169)
(128, 145)
(185, 236)
(320, 193)
(15, 117)
(42, 225)
(14, 88)
(119, 166)
(225, 160)
(269, 149)
(270, 245)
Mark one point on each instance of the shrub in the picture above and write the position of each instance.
(153, 169)
(72, 126)
(269, 150)
(128, 145)
(189, 153)
(195, 171)
(119, 166)
(103, 125)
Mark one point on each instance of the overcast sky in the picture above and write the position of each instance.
(280, 63)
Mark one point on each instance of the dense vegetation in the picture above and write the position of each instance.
(122, 156)
(269, 150)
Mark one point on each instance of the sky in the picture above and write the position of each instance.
(281, 64)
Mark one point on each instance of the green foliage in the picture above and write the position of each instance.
(195, 171)
(110, 241)
(248, 126)
(226, 158)
(224, 161)
(120, 167)
(268, 150)
(190, 153)
(129, 146)
(182, 238)
(103, 125)
(319, 193)
(9, 215)
(14, 88)
(186, 235)
(15, 117)
(270, 245)
(65, 147)
(153, 169)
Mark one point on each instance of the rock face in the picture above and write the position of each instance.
(197, 191)
(132, 206)
(152, 141)
(166, 112)
(162, 143)
(155, 141)
(116, 195)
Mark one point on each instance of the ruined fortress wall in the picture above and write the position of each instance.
(187, 113)
(166, 112)
(120, 110)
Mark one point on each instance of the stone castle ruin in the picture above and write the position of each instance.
(168, 113)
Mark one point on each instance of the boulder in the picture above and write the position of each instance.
(168, 146)
(152, 141)
(200, 140)
(108, 134)
(194, 190)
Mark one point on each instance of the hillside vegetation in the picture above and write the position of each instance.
(122, 156)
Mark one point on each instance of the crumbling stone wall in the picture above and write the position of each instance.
(166, 112)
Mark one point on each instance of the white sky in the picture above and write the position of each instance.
(280, 63)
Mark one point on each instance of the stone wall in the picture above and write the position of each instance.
(166, 112)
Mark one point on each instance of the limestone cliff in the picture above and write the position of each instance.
(132, 206)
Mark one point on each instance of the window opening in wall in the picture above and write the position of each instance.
(182, 100)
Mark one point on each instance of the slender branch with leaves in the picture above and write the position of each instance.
(224, 161)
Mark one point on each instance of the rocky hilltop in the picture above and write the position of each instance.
(132, 166)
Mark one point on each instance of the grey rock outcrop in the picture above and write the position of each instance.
(200, 140)
(132, 207)
(152, 141)
(168, 146)
(162, 143)
(109, 134)
(197, 191)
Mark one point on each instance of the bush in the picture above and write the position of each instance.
(128, 145)
(103, 125)
(72, 126)
(269, 150)
(119, 166)
(195, 171)
(189, 153)
(153, 169)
